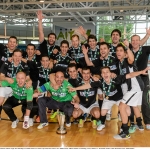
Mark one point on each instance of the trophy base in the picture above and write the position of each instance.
(61, 131)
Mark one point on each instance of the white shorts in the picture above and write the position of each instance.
(99, 91)
(107, 104)
(132, 98)
(124, 88)
(87, 110)
(6, 92)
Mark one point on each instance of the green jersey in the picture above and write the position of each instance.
(60, 94)
(19, 93)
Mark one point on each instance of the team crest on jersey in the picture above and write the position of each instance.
(113, 67)
(124, 70)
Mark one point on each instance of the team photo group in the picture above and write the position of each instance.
(80, 80)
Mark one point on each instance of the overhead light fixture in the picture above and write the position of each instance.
(90, 19)
(18, 14)
(121, 10)
(42, 1)
(76, 24)
(118, 18)
(69, 19)
(59, 13)
(121, 18)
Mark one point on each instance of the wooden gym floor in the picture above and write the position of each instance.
(75, 137)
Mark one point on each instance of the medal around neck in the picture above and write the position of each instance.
(61, 120)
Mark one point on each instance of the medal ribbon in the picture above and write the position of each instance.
(138, 54)
(33, 59)
(120, 67)
(45, 73)
(76, 55)
(106, 61)
(20, 93)
(86, 91)
(104, 88)
(93, 57)
(50, 51)
(13, 75)
(61, 58)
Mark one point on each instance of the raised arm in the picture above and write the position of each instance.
(85, 52)
(40, 26)
(52, 78)
(146, 37)
(137, 73)
(130, 55)
(83, 32)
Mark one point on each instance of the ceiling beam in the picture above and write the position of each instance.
(79, 9)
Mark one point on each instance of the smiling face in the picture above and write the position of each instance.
(59, 78)
(12, 44)
(106, 74)
(45, 62)
(17, 56)
(30, 51)
(72, 71)
(92, 43)
(120, 53)
(21, 79)
(75, 42)
(64, 49)
(86, 74)
(135, 41)
(115, 37)
(104, 50)
(51, 39)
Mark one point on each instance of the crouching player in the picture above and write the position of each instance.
(113, 95)
(21, 96)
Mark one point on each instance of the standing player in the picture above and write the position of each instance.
(75, 51)
(141, 54)
(7, 51)
(49, 47)
(63, 59)
(32, 60)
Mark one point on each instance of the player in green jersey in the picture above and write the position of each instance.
(20, 96)
(61, 99)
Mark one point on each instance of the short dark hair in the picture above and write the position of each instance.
(120, 45)
(44, 55)
(86, 68)
(30, 44)
(17, 50)
(72, 65)
(104, 43)
(52, 34)
(104, 67)
(64, 42)
(13, 37)
(75, 35)
(91, 36)
(116, 30)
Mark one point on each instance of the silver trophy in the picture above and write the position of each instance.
(61, 120)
